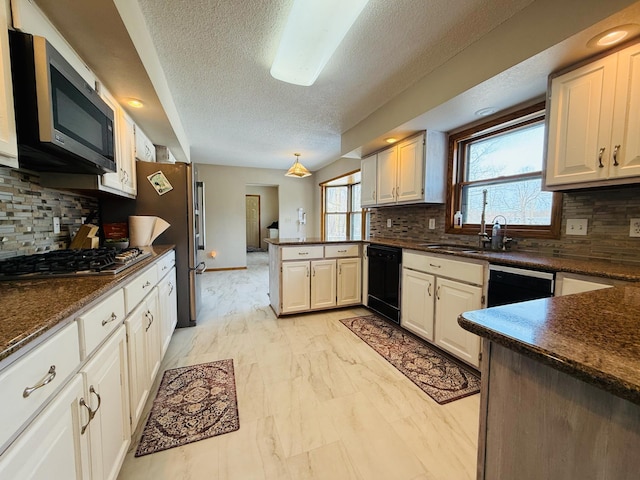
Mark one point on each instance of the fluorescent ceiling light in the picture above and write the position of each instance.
(314, 30)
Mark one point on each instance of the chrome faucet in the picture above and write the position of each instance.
(483, 238)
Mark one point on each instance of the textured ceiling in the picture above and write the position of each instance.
(216, 56)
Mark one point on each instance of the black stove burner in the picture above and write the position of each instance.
(68, 261)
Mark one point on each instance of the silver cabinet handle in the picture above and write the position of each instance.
(307, 271)
(51, 374)
(600, 158)
(148, 314)
(373, 195)
(112, 318)
(92, 413)
(147, 284)
(435, 266)
(615, 155)
(342, 251)
(303, 253)
(429, 289)
(438, 292)
(170, 288)
(314, 271)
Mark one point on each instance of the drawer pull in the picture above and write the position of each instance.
(342, 251)
(435, 266)
(149, 316)
(147, 284)
(112, 318)
(303, 253)
(92, 413)
(51, 374)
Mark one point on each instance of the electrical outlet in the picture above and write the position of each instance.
(388, 223)
(634, 227)
(432, 224)
(577, 226)
(56, 225)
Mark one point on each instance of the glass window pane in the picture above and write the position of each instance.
(335, 226)
(355, 198)
(510, 153)
(356, 226)
(336, 199)
(521, 202)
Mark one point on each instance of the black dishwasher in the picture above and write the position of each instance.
(384, 281)
(511, 285)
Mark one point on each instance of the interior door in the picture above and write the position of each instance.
(253, 221)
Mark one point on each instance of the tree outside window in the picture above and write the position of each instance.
(342, 213)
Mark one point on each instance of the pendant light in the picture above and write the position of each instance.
(297, 169)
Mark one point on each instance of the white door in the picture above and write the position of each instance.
(152, 334)
(453, 298)
(625, 138)
(349, 281)
(168, 309)
(107, 393)
(580, 123)
(417, 311)
(252, 203)
(368, 170)
(52, 447)
(127, 144)
(411, 170)
(323, 284)
(136, 350)
(386, 175)
(296, 294)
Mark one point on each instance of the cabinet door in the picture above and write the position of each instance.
(323, 283)
(136, 349)
(152, 334)
(296, 295)
(107, 393)
(368, 170)
(386, 175)
(625, 139)
(127, 145)
(411, 170)
(8, 139)
(168, 309)
(453, 298)
(349, 281)
(417, 311)
(114, 179)
(52, 447)
(579, 127)
(145, 150)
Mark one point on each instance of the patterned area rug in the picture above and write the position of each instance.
(193, 403)
(438, 376)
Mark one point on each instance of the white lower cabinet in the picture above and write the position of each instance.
(52, 447)
(296, 281)
(453, 298)
(143, 331)
(107, 397)
(349, 284)
(167, 296)
(435, 291)
(323, 284)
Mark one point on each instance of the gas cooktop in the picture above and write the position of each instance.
(71, 263)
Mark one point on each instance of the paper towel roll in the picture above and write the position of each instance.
(144, 229)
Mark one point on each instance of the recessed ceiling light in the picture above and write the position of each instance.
(613, 36)
(135, 103)
(391, 140)
(483, 112)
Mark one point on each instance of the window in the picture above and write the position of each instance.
(505, 159)
(342, 213)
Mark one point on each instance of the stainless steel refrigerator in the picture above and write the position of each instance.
(183, 208)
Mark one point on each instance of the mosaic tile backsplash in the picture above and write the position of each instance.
(608, 211)
(27, 210)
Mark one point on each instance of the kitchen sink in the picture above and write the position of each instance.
(449, 248)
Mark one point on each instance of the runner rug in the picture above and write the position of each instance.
(438, 376)
(193, 403)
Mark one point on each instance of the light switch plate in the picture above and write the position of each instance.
(634, 227)
(432, 224)
(577, 226)
(56, 225)
(388, 223)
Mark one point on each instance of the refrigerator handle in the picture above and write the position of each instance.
(200, 219)
(199, 269)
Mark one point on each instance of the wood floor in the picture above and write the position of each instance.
(315, 402)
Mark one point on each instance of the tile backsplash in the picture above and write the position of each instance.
(27, 210)
(608, 212)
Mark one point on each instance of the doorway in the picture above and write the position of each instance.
(252, 205)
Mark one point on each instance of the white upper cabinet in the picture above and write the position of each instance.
(594, 123)
(145, 149)
(412, 171)
(8, 140)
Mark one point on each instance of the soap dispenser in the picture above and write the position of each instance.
(457, 220)
(495, 236)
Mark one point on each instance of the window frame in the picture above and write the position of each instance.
(349, 213)
(456, 169)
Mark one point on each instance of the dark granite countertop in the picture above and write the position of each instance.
(33, 309)
(593, 336)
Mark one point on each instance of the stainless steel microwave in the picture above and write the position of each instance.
(62, 123)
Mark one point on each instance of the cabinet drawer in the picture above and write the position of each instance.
(444, 267)
(331, 251)
(48, 365)
(139, 287)
(165, 264)
(302, 253)
(96, 324)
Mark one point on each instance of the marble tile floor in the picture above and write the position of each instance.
(315, 401)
